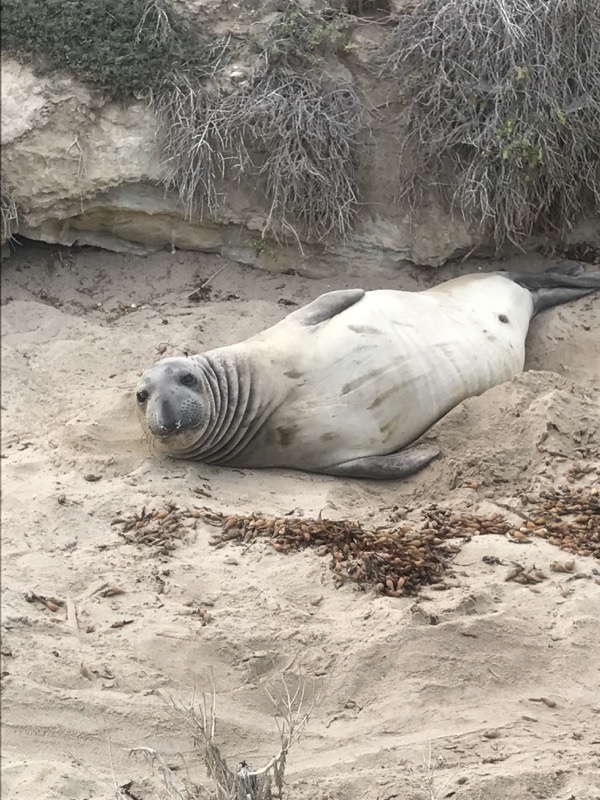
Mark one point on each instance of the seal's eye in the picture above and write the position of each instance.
(142, 396)
(188, 379)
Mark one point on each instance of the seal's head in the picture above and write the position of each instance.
(173, 404)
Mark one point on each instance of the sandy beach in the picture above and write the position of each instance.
(482, 688)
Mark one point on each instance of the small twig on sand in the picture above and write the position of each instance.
(429, 782)
(199, 290)
(119, 793)
(72, 614)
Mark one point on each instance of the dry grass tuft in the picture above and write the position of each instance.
(502, 110)
(8, 213)
(292, 713)
(155, 11)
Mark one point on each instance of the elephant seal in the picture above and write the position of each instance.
(343, 384)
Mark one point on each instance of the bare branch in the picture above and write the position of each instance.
(162, 24)
(175, 787)
(294, 130)
(243, 783)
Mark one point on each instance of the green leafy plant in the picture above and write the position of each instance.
(301, 38)
(261, 246)
(118, 47)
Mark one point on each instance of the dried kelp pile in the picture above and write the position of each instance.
(568, 518)
(161, 529)
(396, 560)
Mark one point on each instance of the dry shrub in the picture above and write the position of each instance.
(502, 110)
(297, 133)
(285, 125)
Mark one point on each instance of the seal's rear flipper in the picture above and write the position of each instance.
(561, 284)
(392, 467)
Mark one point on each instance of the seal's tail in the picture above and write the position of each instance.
(560, 284)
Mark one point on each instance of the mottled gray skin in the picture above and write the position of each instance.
(345, 385)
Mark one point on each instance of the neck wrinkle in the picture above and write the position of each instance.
(228, 402)
(216, 409)
(252, 413)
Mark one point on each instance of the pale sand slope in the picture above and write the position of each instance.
(391, 684)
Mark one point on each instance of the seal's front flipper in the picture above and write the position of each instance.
(326, 306)
(390, 467)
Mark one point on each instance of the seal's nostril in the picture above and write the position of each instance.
(168, 416)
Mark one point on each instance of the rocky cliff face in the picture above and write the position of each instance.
(82, 169)
(86, 171)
